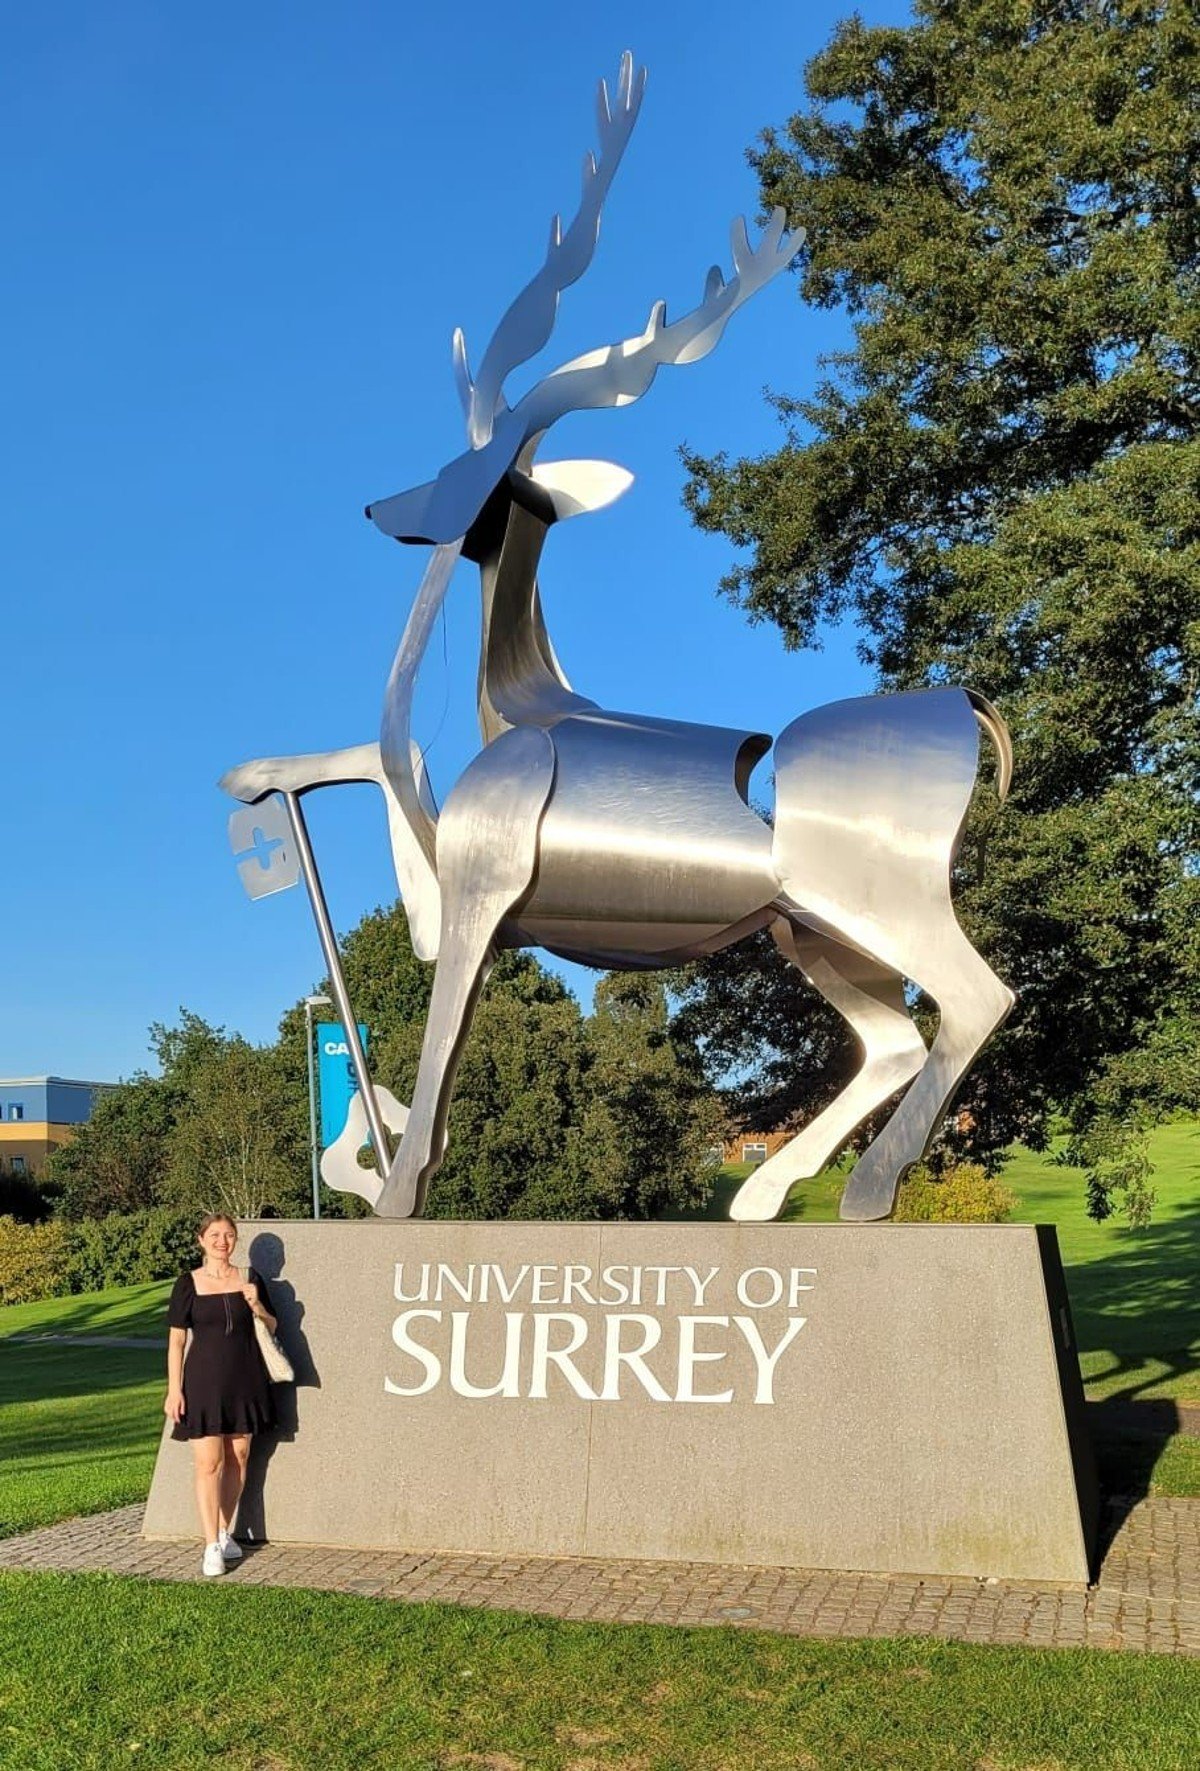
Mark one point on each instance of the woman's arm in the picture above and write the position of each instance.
(176, 1341)
(252, 1293)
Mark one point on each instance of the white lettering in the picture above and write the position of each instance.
(743, 1288)
(700, 1286)
(764, 1362)
(544, 1355)
(543, 1286)
(796, 1285)
(506, 1292)
(660, 1295)
(447, 1279)
(412, 1297)
(618, 1287)
(573, 1288)
(690, 1357)
(615, 1356)
(510, 1376)
(430, 1362)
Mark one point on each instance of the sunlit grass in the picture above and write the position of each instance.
(79, 1427)
(136, 1311)
(255, 1679)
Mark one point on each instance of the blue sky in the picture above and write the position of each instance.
(238, 241)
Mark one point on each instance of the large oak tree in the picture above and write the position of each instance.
(997, 483)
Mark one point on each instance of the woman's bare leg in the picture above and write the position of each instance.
(208, 1456)
(233, 1476)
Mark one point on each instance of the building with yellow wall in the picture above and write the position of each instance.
(38, 1114)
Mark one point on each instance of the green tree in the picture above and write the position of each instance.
(650, 1115)
(997, 484)
(117, 1161)
(233, 1147)
(555, 1115)
(217, 1129)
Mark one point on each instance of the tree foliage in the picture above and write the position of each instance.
(555, 1114)
(997, 484)
(546, 1122)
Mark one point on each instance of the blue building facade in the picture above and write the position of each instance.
(38, 1114)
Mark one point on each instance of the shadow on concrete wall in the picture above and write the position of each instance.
(268, 1257)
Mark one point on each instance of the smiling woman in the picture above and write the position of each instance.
(218, 1391)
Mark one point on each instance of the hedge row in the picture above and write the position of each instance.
(57, 1258)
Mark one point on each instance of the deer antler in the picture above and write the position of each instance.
(529, 320)
(615, 375)
(619, 374)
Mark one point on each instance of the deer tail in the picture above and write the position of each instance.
(993, 724)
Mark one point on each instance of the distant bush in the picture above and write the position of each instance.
(35, 1261)
(22, 1197)
(124, 1248)
(961, 1195)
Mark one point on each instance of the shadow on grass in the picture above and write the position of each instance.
(1141, 1303)
(41, 1374)
(1138, 1305)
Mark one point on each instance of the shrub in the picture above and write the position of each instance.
(35, 1261)
(22, 1198)
(963, 1194)
(125, 1248)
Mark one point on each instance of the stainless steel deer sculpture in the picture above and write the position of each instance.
(627, 841)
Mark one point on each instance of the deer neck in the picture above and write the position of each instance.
(521, 682)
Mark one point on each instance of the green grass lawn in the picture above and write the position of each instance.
(136, 1311)
(79, 1429)
(1134, 1293)
(255, 1679)
(79, 1425)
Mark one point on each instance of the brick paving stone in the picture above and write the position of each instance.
(1147, 1596)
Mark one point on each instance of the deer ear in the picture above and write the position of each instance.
(576, 486)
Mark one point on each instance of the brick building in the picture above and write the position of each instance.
(753, 1146)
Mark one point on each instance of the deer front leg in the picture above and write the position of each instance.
(487, 843)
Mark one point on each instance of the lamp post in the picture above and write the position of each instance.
(310, 1003)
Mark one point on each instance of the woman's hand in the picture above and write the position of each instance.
(250, 1293)
(173, 1406)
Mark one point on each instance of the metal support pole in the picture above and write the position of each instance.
(312, 1112)
(337, 982)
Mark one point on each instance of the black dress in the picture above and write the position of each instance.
(225, 1384)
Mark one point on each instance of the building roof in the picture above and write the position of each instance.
(37, 1081)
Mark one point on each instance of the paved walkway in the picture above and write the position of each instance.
(1148, 1595)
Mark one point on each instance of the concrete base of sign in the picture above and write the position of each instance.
(887, 1397)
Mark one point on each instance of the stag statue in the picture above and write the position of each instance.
(627, 841)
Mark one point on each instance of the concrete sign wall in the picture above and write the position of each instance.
(878, 1397)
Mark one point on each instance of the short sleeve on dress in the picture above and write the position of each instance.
(179, 1310)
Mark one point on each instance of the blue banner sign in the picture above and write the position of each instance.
(336, 1078)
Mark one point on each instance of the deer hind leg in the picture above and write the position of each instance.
(872, 795)
(972, 1003)
(487, 843)
(871, 998)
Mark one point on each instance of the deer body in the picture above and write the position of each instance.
(627, 841)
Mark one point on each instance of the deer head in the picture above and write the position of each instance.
(504, 438)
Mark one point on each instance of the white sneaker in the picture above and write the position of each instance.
(214, 1561)
(231, 1549)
